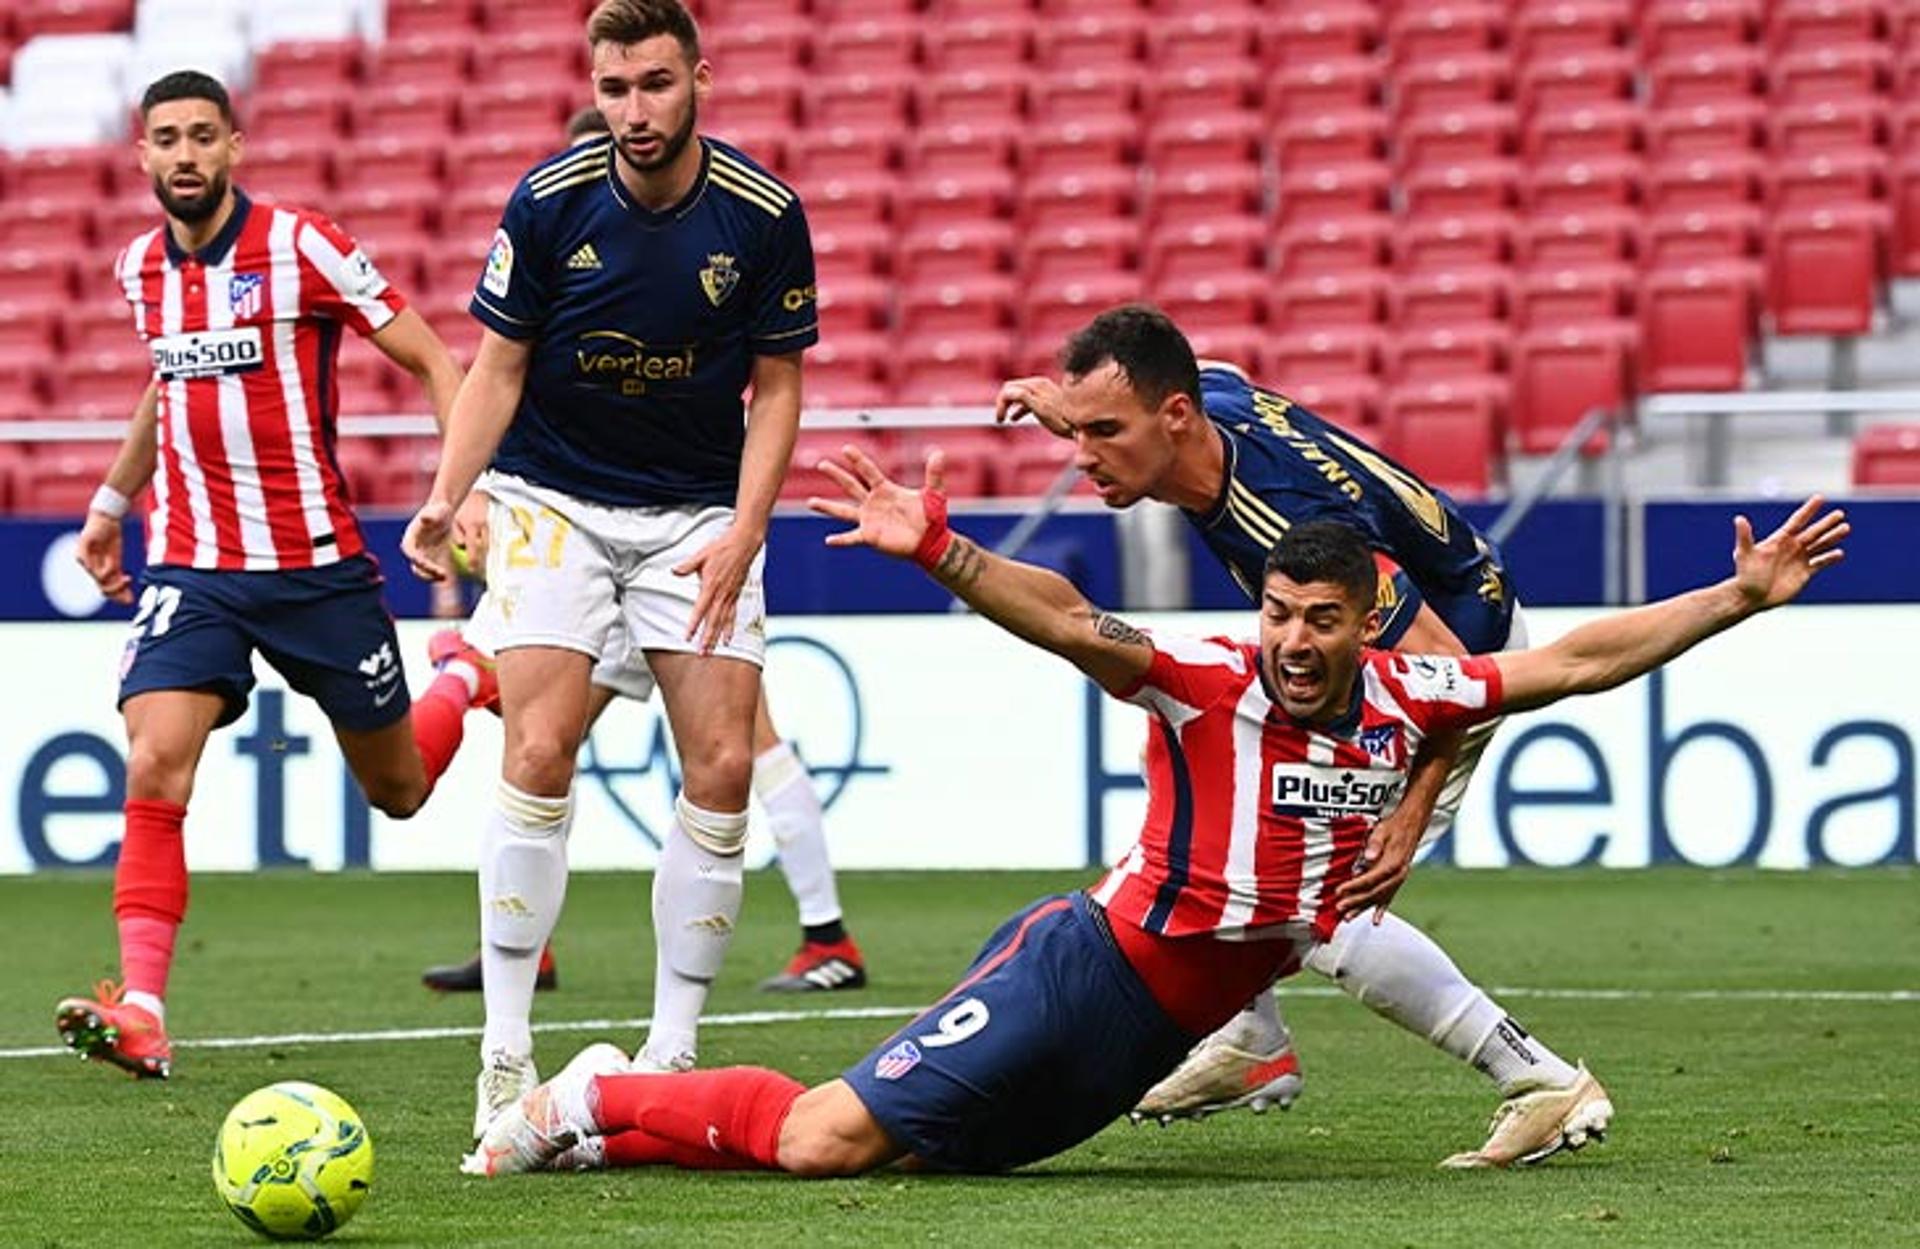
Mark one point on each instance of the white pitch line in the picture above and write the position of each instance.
(741, 1019)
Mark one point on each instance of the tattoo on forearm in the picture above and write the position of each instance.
(1114, 629)
(961, 566)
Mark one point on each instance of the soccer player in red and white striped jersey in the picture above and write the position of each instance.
(1274, 761)
(252, 542)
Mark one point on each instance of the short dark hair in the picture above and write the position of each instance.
(1325, 550)
(631, 21)
(585, 124)
(1146, 346)
(187, 84)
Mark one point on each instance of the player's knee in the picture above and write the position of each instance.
(159, 770)
(397, 797)
(818, 1153)
(721, 777)
(539, 764)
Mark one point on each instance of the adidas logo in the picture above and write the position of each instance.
(585, 258)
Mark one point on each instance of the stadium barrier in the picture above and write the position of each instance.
(1787, 743)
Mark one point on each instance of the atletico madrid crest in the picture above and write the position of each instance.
(897, 1061)
(246, 294)
(719, 278)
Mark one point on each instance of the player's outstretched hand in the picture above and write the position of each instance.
(722, 565)
(1037, 397)
(425, 542)
(885, 515)
(99, 552)
(470, 531)
(1385, 864)
(1773, 571)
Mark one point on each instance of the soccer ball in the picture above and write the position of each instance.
(293, 1161)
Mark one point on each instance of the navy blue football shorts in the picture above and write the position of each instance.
(325, 630)
(1049, 1038)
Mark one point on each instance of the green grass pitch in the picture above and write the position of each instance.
(1779, 1107)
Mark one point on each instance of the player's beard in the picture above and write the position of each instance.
(197, 209)
(670, 147)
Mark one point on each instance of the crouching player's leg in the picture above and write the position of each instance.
(998, 1073)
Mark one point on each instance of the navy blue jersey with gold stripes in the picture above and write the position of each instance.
(1286, 466)
(644, 325)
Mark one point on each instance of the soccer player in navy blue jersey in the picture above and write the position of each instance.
(1245, 464)
(636, 288)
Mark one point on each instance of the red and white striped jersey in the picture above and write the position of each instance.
(1254, 819)
(244, 335)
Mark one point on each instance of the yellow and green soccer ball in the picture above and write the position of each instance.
(293, 1161)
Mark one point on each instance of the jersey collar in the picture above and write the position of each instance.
(1212, 515)
(669, 214)
(216, 249)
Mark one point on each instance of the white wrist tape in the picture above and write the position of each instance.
(109, 501)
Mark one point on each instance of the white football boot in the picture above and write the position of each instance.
(1220, 1075)
(505, 1077)
(530, 1133)
(646, 1064)
(1532, 1126)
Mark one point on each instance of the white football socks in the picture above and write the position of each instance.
(784, 788)
(523, 882)
(148, 1002)
(696, 902)
(1398, 972)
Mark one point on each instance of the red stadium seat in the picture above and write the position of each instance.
(63, 173)
(863, 248)
(1335, 351)
(402, 258)
(1205, 245)
(762, 43)
(1706, 77)
(59, 478)
(29, 330)
(1062, 199)
(312, 64)
(428, 56)
(1222, 300)
(454, 266)
(468, 218)
(954, 197)
(1829, 126)
(1349, 402)
(1204, 86)
(519, 108)
(972, 457)
(804, 479)
(309, 114)
(956, 250)
(36, 276)
(1588, 132)
(1052, 310)
(1079, 94)
(990, 92)
(1328, 299)
(1559, 376)
(1808, 25)
(1584, 185)
(496, 160)
(387, 161)
(1574, 295)
(297, 172)
(1695, 323)
(99, 385)
(1832, 73)
(868, 99)
(96, 325)
(1887, 455)
(950, 370)
(38, 223)
(1448, 432)
(1834, 177)
(1570, 28)
(1684, 28)
(1033, 465)
(1345, 191)
(1330, 139)
(1449, 352)
(963, 305)
(956, 47)
(1466, 241)
(1078, 249)
(767, 97)
(1704, 182)
(935, 150)
(1425, 87)
(1204, 36)
(821, 152)
(1333, 245)
(851, 356)
(1243, 347)
(851, 199)
(1182, 194)
(1452, 297)
(71, 17)
(1115, 38)
(857, 304)
(1323, 87)
(1823, 270)
(1735, 124)
(1456, 190)
(1215, 139)
(1727, 232)
(1568, 82)
(1434, 32)
(1457, 136)
(1320, 30)
(1600, 236)
(1070, 147)
(868, 45)
(381, 212)
(1906, 194)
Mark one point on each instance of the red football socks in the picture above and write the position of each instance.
(726, 1119)
(439, 722)
(150, 892)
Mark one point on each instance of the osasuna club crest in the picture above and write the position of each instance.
(719, 278)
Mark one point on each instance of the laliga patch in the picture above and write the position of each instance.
(499, 271)
(363, 280)
(897, 1061)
